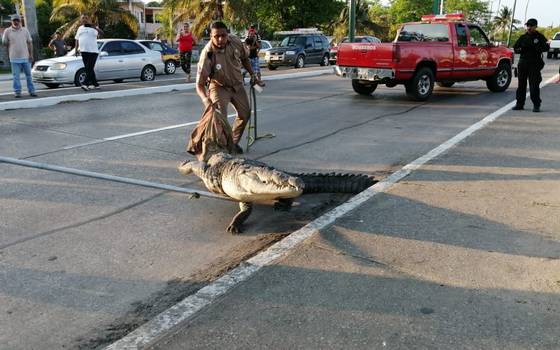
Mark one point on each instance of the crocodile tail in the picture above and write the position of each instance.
(335, 183)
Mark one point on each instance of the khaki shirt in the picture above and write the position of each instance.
(17, 40)
(224, 67)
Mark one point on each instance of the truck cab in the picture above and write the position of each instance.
(440, 49)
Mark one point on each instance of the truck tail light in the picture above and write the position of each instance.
(396, 53)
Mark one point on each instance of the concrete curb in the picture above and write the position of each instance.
(51, 101)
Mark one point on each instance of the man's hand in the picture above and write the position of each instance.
(253, 79)
(207, 102)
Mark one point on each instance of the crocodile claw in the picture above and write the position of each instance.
(234, 229)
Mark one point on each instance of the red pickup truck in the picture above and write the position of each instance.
(442, 49)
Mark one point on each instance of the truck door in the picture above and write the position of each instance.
(461, 62)
(483, 62)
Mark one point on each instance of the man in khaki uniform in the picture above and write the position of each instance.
(220, 66)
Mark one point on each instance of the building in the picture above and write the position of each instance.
(146, 16)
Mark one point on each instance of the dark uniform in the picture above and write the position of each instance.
(530, 46)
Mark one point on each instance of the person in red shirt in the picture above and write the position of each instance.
(186, 41)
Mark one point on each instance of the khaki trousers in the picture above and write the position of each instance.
(224, 96)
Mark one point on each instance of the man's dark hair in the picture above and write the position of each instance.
(218, 25)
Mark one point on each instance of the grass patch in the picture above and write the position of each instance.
(5, 70)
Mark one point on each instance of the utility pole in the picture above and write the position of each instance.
(30, 16)
(511, 23)
(352, 21)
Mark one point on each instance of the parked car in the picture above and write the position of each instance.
(554, 46)
(266, 46)
(118, 59)
(357, 39)
(299, 50)
(170, 56)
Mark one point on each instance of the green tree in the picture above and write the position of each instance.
(106, 13)
(365, 25)
(502, 21)
(153, 4)
(475, 11)
(47, 27)
(409, 10)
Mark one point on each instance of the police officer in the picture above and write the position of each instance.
(220, 66)
(530, 46)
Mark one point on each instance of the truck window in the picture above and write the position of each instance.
(424, 32)
(461, 34)
(478, 38)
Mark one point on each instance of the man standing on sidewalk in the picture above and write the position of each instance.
(20, 50)
(531, 46)
(186, 40)
(86, 44)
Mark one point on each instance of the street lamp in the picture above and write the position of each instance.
(352, 21)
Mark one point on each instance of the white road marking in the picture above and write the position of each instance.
(189, 306)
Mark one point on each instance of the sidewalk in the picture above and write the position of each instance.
(462, 254)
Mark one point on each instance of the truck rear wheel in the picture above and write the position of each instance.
(500, 81)
(420, 87)
(364, 87)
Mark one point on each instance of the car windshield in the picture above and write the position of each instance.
(424, 32)
(556, 37)
(291, 41)
(73, 51)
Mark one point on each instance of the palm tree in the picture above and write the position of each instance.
(102, 12)
(202, 13)
(364, 24)
(502, 21)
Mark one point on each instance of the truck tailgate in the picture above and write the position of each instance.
(370, 55)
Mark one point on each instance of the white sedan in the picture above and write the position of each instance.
(118, 59)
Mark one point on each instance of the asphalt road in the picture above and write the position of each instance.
(84, 261)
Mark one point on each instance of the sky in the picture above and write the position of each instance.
(546, 12)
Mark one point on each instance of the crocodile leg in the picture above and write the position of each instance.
(284, 204)
(245, 209)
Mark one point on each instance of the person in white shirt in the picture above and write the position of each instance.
(86, 44)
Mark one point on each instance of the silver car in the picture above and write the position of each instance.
(118, 59)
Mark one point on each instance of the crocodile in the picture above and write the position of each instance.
(248, 181)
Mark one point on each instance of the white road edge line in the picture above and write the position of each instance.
(54, 100)
(189, 306)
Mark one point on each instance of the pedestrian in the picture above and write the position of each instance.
(20, 51)
(186, 40)
(530, 46)
(157, 38)
(219, 66)
(58, 45)
(253, 44)
(86, 45)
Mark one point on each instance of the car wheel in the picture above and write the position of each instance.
(80, 77)
(549, 55)
(148, 74)
(118, 80)
(555, 55)
(500, 81)
(300, 62)
(272, 67)
(170, 67)
(364, 87)
(52, 85)
(420, 87)
(446, 84)
(325, 61)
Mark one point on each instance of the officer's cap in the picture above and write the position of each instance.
(531, 22)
